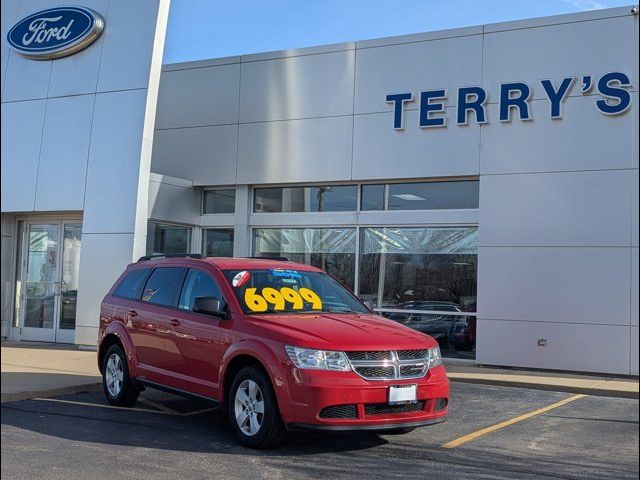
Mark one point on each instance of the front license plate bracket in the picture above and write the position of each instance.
(399, 394)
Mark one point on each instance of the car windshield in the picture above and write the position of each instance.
(281, 290)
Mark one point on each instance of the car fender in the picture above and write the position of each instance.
(119, 330)
(266, 356)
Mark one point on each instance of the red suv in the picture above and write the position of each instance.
(278, 344)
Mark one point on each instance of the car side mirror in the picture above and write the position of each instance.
(210, 306)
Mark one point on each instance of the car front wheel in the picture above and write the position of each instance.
(253, 410)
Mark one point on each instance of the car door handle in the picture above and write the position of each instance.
(174, 322)
(132, 313)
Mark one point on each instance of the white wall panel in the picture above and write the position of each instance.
(556, 209)
(78, 74)
(413, 67)
(198, 97)
(563, 285)
(552, 52)
(112, 175)
(21, 139)
(583, 139)
(295, 151)
(635, 273)
(204, 155)
(25, 79)
(64, 153)
(635, 206)
(102, 258)
(633, 361)
(586, 348)
(173, 203)
(8, 12)
(380, 152)
(297, 87)
(127, 23)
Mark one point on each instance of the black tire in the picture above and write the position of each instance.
(271, 431)
(398, 431)
(128, 392)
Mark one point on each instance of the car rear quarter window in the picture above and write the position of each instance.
(163, 286)
(131, 285)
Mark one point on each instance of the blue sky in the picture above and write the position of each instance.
(213, 28)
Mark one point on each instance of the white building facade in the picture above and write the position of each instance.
(478, 184)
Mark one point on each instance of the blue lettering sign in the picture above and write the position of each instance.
(398, 100)
(507, 102)
(556, 97)
(614, 91)
(426, 108)
(476, 103)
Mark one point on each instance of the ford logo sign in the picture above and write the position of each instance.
(55, 32)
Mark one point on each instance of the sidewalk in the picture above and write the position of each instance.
(44, 370)
(602, 385)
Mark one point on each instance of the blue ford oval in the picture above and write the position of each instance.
(55, 32)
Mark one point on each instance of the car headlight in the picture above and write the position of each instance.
(318, 359)
(435, 358)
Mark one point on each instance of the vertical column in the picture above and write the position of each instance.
(242, 236)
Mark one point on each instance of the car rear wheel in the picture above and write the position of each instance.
(253, 410)
(116, 382)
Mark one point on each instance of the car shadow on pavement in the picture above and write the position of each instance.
(85, 420)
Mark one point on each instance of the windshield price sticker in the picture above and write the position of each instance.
(280, 298)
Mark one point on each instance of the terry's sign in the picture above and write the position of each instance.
(55, 32)
(612, 98)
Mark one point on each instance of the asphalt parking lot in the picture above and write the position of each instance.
(165, 436)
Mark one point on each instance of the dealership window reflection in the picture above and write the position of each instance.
(424, 278)
(217, 242)
(331, 249)
(165, 238)
(320, 198)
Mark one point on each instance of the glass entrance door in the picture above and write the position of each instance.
(48, 281)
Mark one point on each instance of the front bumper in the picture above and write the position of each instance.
(307, 393)
(364, 427)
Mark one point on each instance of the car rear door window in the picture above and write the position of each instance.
(163, 286)
(197, 284)
(131, 285)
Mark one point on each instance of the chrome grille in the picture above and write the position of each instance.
(375, 355)
(390, 365)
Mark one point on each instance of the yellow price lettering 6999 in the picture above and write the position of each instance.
(279, 299)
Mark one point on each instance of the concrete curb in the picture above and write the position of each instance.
(587, 390)
(52, 392)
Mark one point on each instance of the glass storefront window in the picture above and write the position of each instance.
(433, 195)
(424, 278)
(164, 238)
(219, 201)
(372, 197)
(330, 198)
(331, 249)
(217, 242)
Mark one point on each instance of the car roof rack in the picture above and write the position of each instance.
(279, 259)
(170, 255)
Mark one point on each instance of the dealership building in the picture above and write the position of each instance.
(478, 184)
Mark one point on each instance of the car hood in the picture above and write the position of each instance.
(346, 332)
